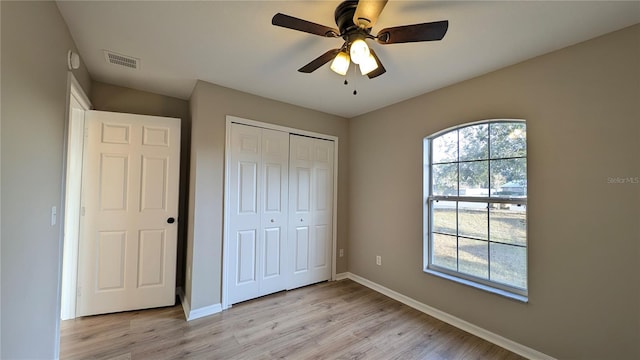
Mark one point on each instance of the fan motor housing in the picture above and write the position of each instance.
(344, 17)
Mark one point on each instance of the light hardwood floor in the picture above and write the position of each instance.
(332, 320)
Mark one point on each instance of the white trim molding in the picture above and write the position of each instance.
(342, 276)
(501, 341)
(76, 89)
(70, 211)
(192, 314)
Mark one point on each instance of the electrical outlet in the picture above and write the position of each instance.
(378, 260)
(188, 273)
(341, 253)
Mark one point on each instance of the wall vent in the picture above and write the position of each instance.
(121, 60)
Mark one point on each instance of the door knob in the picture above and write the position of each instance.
(272, 220)
(171, 220)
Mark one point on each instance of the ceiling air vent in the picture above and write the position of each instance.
(121, 60)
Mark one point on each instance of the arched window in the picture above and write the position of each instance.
(475, 213)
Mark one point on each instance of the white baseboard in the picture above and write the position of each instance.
(501, 341)
(204, 311)
(342, 276)
(192, 314)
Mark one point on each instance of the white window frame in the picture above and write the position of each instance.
(520, 294)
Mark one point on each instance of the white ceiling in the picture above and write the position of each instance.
(233, 44)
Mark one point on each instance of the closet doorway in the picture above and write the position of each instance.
(280, 209)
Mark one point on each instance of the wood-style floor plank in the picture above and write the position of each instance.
(332, 320)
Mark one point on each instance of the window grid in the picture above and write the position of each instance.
(479, 239)
(489, 200)
(478, 160)
(457, 203)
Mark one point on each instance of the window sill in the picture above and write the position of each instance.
(476, 285)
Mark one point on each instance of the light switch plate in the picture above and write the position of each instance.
(54, 216)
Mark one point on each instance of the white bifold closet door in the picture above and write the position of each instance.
(258, 212)
(310, 209)
(280, 211)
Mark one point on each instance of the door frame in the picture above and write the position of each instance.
(74, 150)
(227, 162)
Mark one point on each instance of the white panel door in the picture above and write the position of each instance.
(274, 211)
(127, 256)
(258, 175)
(311, 209)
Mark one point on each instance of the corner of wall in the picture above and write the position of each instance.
(193, 110)
(37, 100)
(192, 314)
(0, 206)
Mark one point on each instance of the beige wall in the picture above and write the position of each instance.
(35, 41)
(582, 106)
(209, 106)
(120, 99)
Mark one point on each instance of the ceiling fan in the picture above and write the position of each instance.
(355, 19)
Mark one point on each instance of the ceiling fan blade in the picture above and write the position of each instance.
(380, 70)
(413, 33)
(295, 23)
(367, 12)
(319, 61)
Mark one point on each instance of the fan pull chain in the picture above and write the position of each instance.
(355, 72)
(346, 82)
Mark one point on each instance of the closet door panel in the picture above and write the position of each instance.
(322, 208)
(274, 211)
(321, 244)
(300, 200)
(247, 188)
(245, 233)
(301, 250)
(272, 258)
(311, 209)
(246, 257)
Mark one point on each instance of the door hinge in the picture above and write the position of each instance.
(79, 291)
(86, 132)
(82, 212)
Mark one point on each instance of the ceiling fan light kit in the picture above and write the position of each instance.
(368, 65)
(355, 19)
(361, 56)
(341, 63)
(359, 51)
